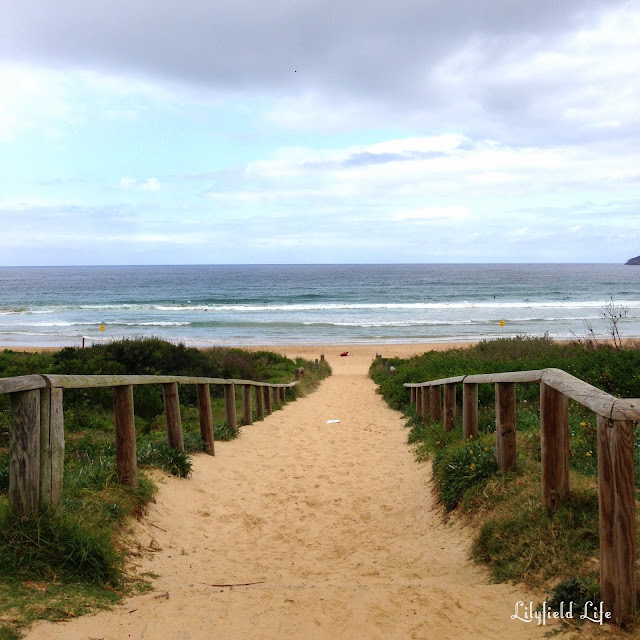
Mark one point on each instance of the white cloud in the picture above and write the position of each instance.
(149, 184)
(25, 93)
(450, 213)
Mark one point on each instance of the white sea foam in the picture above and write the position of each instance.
(336, 306)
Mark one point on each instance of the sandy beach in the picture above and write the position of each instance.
(304, 529)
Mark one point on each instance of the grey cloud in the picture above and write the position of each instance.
(377, 51)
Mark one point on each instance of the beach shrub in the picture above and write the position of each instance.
(457, 468)
(153, 454)
(525, 541)
(579, 591)
(606, 368)
(56, 548)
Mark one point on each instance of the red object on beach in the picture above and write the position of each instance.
(344, 353)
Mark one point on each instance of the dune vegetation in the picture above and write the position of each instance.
(56, 568)
(514, 535)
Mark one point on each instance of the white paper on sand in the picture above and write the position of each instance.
(332, 421)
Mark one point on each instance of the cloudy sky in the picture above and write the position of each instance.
(305, 131)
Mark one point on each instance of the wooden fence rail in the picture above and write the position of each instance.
(616, 477)
(36, 440)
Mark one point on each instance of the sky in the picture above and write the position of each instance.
(308, 131)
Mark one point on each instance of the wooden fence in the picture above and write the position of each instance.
(36, 440)
(616, 472)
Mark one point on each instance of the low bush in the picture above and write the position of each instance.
(460, 467)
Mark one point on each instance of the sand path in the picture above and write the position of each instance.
(331, 527)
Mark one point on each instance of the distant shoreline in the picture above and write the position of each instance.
(311, 351)
(331, 350)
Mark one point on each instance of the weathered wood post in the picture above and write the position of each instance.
(124, 420)
(24, 452)
(449, 406)
(392, 371)
(283, 398)
(172, 414)
(230, 406)
(426, 402)
(506, 426)
(275, 398)
(322, 357)
(247, 410)
(259, 402)
(554, 441)
(470, 410)
(51, 450)
(436, 402)
(419, 401)
(206, 423)
(267, 400)
(616, 491)
(297, 375)
(412, 392)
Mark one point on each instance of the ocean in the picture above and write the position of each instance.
(311, 304)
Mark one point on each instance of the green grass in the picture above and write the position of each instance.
(57, 568)
(514, 535)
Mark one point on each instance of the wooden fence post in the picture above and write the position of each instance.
(24, 452)
(419, 401)
(554, 441)
(282, 395)
(275, 398)
(206, 423)
(449, 406)
(436, 402)
(297, 374)
(412, 396)
(426, 402)
(51, 449)
(259, 402)
(172, 414)
(616, 490)
(124, 420)
(470, 410)
(246, 404)
(230, 406)
(322, 357)
(268, 409)
(506, 426)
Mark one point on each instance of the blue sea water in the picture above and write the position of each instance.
(311, 304)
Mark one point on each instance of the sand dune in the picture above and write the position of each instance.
(303, 529)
